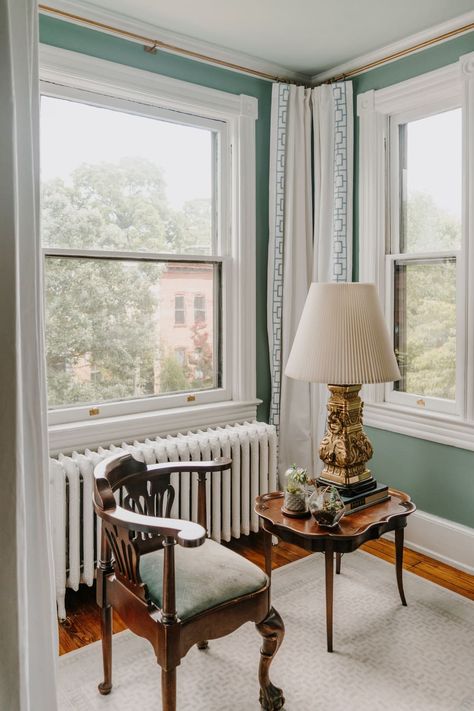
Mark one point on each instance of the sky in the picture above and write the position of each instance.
(73, 133)
(434, 159)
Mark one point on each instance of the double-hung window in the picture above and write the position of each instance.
(141, 225)
(423, 254)
(416, 244)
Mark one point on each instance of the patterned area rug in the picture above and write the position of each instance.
(386, 657)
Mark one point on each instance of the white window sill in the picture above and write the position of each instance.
(435, 427)
(103, 431)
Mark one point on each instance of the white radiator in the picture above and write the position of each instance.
(230, 495)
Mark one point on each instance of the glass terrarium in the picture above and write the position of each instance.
(296, 491)
(326, 506)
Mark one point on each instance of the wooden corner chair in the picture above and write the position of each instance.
(170, 583)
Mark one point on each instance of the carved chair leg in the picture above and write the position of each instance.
(203, 645)
(168, 690)
(272, 630)
(105, 687)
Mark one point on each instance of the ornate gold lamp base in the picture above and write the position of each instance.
(345, 448)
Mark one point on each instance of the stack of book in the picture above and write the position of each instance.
(357, 501)
(360, 495)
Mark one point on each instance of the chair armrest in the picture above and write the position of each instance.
(214, 465)
(110, 473)
(186, 533)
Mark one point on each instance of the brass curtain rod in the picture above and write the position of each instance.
(152, 45)
(401, 53)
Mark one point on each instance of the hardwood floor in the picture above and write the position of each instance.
(83, 624)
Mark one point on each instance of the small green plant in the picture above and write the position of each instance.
(333, 503)
(296, 479)
(326, 506)
(293, 488)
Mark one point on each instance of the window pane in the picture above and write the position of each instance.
(179, 313)
(113, 180)
(425, 327)
(431, 183)
(111, 331)
(199, 308)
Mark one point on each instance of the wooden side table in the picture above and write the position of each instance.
(353, 530)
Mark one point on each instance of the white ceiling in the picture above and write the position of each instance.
(306, 36)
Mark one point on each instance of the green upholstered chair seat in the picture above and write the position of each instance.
(205, 577)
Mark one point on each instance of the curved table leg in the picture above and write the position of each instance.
(338, 562)
(267, 547)
(329, 560)
(399, 536)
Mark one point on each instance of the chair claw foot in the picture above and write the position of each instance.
(272, 699)
(272, 630)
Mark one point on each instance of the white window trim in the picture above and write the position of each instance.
(79, 71)
(374, 108)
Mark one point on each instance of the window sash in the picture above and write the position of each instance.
(78, 412)
(425, 402)
(393, 254)
(393, 206)
(220, 146)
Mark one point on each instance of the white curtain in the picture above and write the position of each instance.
(310, 240)
(27, 621)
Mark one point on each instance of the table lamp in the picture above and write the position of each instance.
(342, 340)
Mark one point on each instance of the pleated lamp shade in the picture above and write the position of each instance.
(342, 338)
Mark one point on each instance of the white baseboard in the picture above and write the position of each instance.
(446, 541)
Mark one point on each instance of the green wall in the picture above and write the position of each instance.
(439, 478)
(79, 39)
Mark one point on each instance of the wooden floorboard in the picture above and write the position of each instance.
(82, 625)
(83, 622)
(445, 575)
